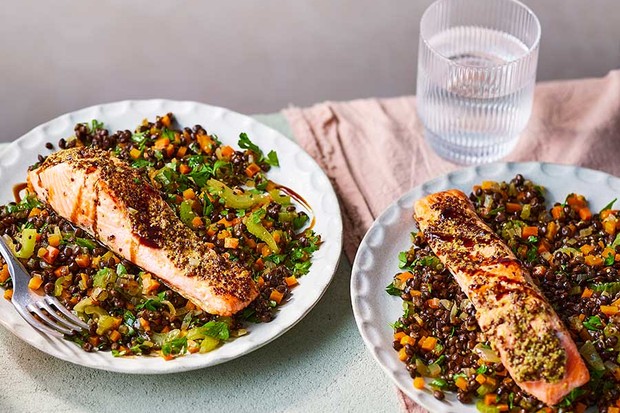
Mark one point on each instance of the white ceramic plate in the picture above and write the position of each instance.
(377, 258)
(297, 171)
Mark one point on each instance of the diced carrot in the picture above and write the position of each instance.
(415, 293)
(167, 357)
(613, 409)
(252, 170)
(50, 256)
(585, 214)
(184, 169)
(291, 281)
(399, 335)
(197, 222)
(587, 293)
(42, 252)
(83, 260)
(4, 273)
(609, 310)
(259, 264)
(404, 276)
(488, 185)
(227, 151)
(265, 251)
(169, 150)
(135, 153)
(527, 232)
(260, 281)
(606, 213)
(114, 335)
(161, 143)
(276, 296)
(461, 383)
(582, 317)
(429, 343)
(587, 249)
(481, 378)
(231, 242)
(407, 340)
(490, 398)
(593, 261)
(607, 252)
(61, 271)
(181, 151)
(433, 302)
(543, 246)
(146, 326)
(226, 222)
(609, 226)
(165, 120)
(34, 212)
(35, 283)
(502, 407)
(206, 143)
(84, 278)
(491, 381)
(576, 201)
(94, 340)
(402, 354)
(192, 346)
(8, 294)
(419, 383)
(557, 212)
(552, 230)
(513, 207)
(580, 407)
(54, 240)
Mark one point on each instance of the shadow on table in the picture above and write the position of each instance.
(280, 376)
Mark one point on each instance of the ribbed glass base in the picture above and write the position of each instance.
(463, 153)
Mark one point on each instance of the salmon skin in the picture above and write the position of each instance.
(532, 342)
(110, 200)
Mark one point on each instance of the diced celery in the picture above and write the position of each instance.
(106, 323)
(232, 200)
(280, 199)
(28, 241)
(208, 344)
(254, 226)
(58, 287)
(186, 213)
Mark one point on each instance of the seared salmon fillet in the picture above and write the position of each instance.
(109, 199)
(532, 342)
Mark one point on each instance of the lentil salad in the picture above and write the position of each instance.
(571, 254)
(222, 194)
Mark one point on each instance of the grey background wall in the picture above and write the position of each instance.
(252, 55)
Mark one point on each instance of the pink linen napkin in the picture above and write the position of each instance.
(373, 150)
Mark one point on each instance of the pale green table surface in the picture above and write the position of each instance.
(320, 365)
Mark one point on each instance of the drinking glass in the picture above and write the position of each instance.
(476, 73)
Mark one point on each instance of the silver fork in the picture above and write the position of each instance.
(54, 318)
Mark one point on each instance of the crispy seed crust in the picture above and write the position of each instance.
(155, 224)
